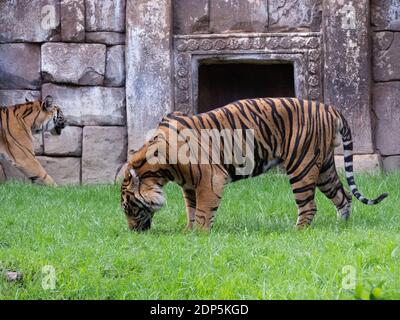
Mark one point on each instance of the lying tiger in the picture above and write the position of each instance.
(299, 135)
(17, 124)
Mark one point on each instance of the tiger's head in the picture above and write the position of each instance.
(141, 190)
(50, 118)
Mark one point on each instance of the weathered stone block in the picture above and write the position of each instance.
(82, 64)
(104, 152)
(69, 143)
(64, 171)
(38, 143)
(19, 66)
(148, 41)
(347, 79)
(238, 16)
(385, 14)
(29, 21)
(361, 162)
(12, 97)
(386, 56)
(301, 15)
(90, 106)
(105, 15)
(73, 20)
(391, 163)
(191, 16)
(108, 38)
(115, 66)
(386, 104)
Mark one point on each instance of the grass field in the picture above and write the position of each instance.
(253, 251)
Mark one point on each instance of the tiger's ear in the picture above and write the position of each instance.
(47, 104)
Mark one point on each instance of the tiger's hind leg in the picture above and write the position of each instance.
(330, 185)
(304, 182)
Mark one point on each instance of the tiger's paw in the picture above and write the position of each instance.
(188, 228)
(344, 213)
(302, 226)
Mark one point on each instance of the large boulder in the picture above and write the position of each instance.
(89, 106)
(104, 152)
(29, 21)
(82, 64)
(19, 66)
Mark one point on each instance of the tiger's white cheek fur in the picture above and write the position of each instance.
(155, 198)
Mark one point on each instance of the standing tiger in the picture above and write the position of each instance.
(17, 124)
(299, 135)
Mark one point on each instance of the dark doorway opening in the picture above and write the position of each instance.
(222, 83)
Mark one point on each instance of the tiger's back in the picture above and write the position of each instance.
(286, 131)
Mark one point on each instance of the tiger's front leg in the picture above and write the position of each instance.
(208, 198)
(32, 168)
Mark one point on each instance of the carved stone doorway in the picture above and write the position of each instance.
(221, 83)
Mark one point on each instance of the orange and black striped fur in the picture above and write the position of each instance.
(299, 135)
(17, 124)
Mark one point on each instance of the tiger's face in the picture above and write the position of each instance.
(51, 118)
(140, 199)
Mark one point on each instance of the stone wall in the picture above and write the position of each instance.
(385, 25)
(73, 50)
(347, 52)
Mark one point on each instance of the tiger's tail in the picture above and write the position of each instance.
(345, 132)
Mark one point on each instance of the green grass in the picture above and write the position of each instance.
(253, 251)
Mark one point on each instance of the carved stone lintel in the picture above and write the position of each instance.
(301, 49)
